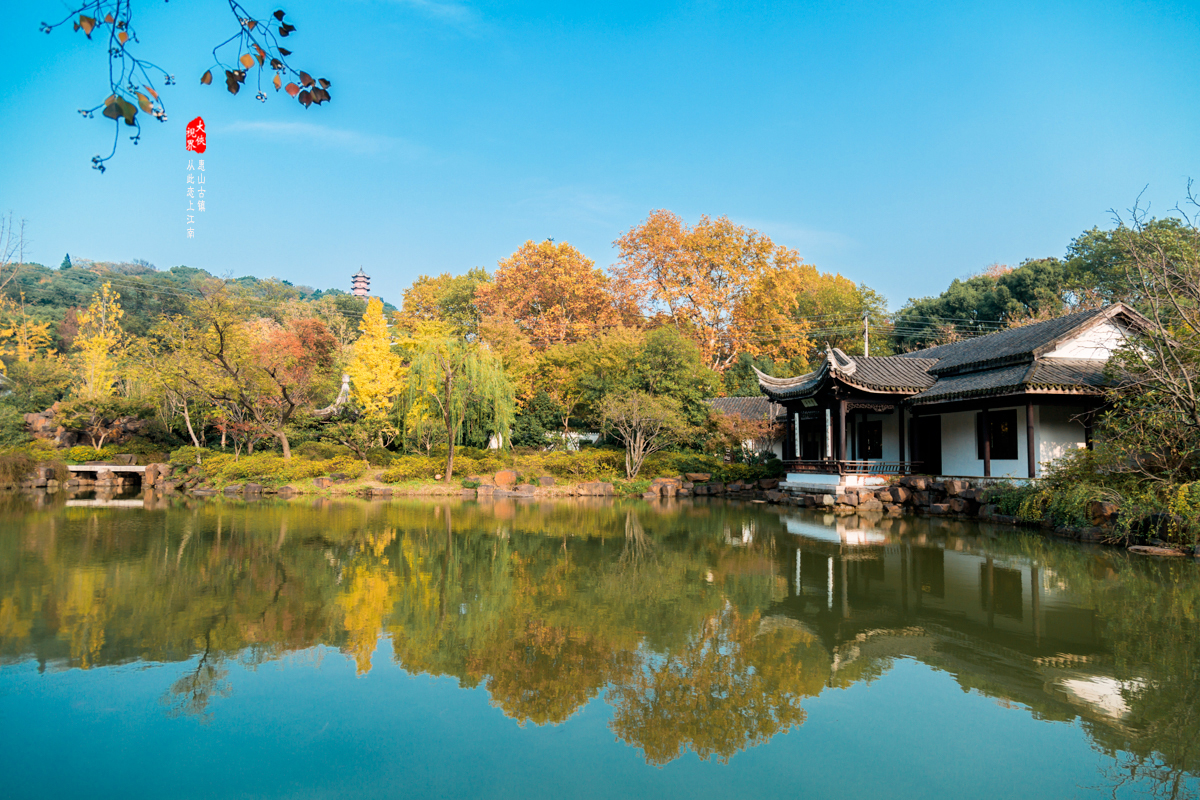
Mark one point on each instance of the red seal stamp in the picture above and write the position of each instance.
(197, 142)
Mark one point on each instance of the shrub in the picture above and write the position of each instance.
(15, 465)
(321, 451)
(581, 465)
(13, 431)
(82, 453)
(412, 468)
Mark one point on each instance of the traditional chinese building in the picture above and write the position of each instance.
(360, 284)
(1000, 405)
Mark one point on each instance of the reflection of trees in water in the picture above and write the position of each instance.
(191, 693)
(734, 686)
(545, 606)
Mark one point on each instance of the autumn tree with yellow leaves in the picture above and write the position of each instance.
(375, 371)
(99, 345)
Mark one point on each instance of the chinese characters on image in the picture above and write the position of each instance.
(195, 193)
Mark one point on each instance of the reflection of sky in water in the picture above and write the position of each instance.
(284, 651)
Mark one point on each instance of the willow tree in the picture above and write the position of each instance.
(453, 377)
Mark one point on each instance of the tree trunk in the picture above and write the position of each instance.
(283, 441)
(188, 419)
(449, 452)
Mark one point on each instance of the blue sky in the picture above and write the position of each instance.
(900, 144)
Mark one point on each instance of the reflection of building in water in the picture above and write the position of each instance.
(1002, 624)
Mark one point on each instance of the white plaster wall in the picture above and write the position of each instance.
(1057, 430)
(1098, 343)
(960, 454)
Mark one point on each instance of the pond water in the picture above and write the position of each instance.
(606, 649)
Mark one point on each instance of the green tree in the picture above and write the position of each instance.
(453, 377)
(644, 424)
(66, 262)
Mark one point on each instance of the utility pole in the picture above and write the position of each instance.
(866, 334)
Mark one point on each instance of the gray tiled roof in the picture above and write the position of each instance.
(1011, 360)
(892, 373)
(748, 407)
(1006, 346)
(1084, 376)
(889, 374)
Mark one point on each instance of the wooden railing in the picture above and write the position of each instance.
(832, 466)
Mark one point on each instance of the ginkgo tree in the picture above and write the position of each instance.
(375, 371)
(99, 345)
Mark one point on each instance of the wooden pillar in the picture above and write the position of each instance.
(986, 433)
(1029, 445)
(900, 421)
(914, 442)
(841, 430)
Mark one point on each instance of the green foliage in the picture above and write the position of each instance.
(998, 294)
(83, 453)
(541, 415)
(38, 384)
(413, 468)
(670, 464)
(322, 451)
(13, 431)
(739, 379)
(273, 469)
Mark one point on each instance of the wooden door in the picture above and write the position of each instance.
(929, 444)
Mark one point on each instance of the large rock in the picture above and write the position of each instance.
(699, 477)
(768, 483)
(848, 499)
(1103, 513)
(885, 497)
(870, 505)
(524, 490)
(595, 489)
(958, 505)
(322, 482)
(506, 478)
(776, 497)
(546, 480)
(826, 500)
(918, 483)
(252, 488)
(900, 495)
(953, 488)
(939, 509)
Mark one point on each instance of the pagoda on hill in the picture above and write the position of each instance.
(360, 284)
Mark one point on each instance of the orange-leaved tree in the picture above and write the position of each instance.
(790, 312)
(697, 276)
(552, 291)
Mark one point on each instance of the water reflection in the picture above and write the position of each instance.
(705, 626)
